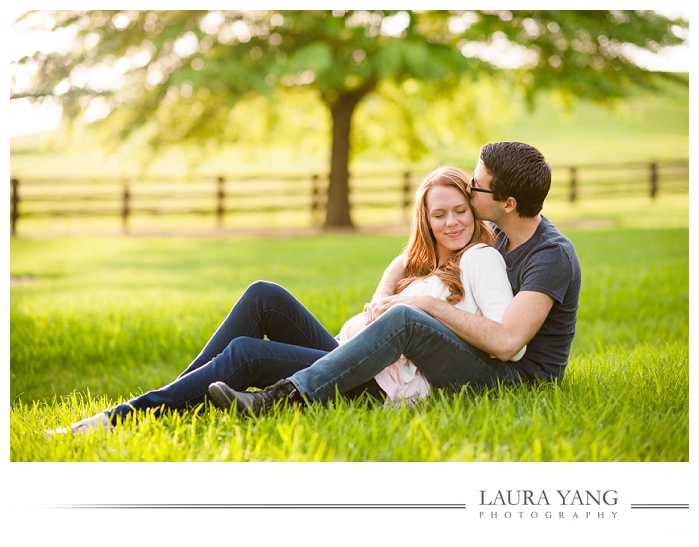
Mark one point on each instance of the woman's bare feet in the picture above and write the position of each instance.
(97, 421)
(93, 423)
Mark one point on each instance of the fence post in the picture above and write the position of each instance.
(653, 180)
(406, 195)
(125, 209)
(219, 203)
(315, 199)
(14, 211)
(573, 185)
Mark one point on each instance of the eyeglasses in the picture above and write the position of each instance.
(476, 189)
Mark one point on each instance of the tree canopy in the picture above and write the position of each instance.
(182, 72)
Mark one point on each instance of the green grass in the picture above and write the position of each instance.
(101, 319)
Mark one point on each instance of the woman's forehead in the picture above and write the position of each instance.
(441, 196)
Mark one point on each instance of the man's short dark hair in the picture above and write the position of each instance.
(518, 170)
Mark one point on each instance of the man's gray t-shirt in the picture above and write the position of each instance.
(546, 263)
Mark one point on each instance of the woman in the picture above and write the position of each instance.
(470, 276)
(238, 356)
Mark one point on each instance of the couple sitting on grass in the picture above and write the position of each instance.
(443, 315)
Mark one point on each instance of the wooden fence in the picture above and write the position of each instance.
(226, 196)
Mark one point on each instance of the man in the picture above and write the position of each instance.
(449, 346)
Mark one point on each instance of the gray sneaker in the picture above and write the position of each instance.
(254, 402)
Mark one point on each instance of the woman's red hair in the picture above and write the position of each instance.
(421, 250)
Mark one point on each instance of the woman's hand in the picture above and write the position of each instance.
(382, 305)
(387, 287)
(372, 310)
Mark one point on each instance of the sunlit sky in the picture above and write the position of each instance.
(25, 118)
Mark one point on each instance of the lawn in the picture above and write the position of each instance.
(94, 320)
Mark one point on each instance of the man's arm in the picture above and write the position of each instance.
(387, 287)
(522, 319)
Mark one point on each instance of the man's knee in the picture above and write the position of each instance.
(405, 313)
(408, 311)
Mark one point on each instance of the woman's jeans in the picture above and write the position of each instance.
(239, 355)
(443, 358)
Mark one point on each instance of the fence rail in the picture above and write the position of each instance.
(223, 197)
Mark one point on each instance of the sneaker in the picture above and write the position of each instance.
(254, 402)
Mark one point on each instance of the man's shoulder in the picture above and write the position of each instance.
(548, 236)
(548, 251)
(549, 231)
(549, 264)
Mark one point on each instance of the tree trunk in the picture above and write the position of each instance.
(338, 207)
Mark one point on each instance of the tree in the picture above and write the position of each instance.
(183, 71)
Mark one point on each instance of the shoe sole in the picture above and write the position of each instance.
(219, 398)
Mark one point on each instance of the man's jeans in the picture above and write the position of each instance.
(238, 354)
(443, 358)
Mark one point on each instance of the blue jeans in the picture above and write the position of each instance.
(444, 359)
(238, 354)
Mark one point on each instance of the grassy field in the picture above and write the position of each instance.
(95, 320)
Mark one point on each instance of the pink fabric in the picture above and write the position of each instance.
(402, 380)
